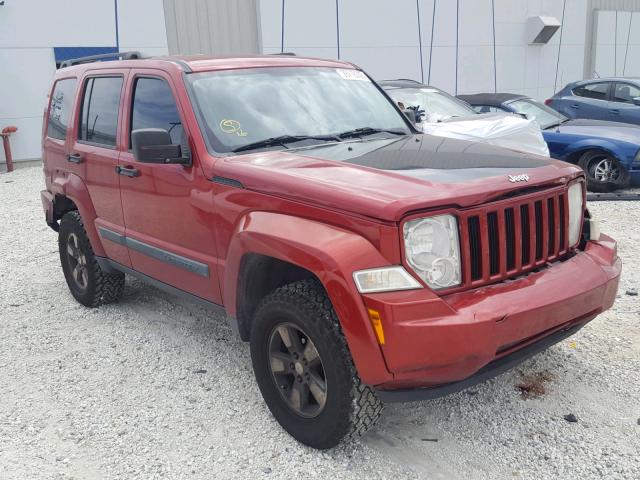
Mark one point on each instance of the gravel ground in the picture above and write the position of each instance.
(155, 388)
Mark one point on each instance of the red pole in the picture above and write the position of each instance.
(7, 147)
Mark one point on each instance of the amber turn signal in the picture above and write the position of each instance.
(376, 323)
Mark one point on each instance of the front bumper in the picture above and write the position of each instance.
(487, 372)
(434, 341)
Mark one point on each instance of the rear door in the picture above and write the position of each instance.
(621, 106)
(95, 154)
(168, 208)
(589, 101)
(58, 124)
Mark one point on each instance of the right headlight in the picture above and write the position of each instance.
(432, 248)
(576, 212)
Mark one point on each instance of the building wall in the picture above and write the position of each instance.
(29, 30)
(603, 35)
(213, 27)
(387, 39)
(616, 54)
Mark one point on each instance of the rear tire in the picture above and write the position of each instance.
(335, 405)
(604, 172)
(89, 284)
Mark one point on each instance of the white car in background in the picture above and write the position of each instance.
(438, 113)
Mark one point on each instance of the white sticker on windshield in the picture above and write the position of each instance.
(349, 74)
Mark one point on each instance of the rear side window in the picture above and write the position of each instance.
(595, 90)
(625, 93)
(155, 107)
(100, 104)
(61, 107)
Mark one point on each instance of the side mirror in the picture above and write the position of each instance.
(636, 101)
(153, 145)
(411, 115)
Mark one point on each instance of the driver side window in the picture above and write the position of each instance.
(155, 107)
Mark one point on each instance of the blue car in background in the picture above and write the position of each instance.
(612, 99)
(609, 152)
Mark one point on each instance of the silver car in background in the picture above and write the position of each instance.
(438, 113)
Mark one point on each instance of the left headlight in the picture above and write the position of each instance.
(432, 248)
(576, 212)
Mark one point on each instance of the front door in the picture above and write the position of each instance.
(95, 152)
(168, 209)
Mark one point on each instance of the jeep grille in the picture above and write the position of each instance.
(507, 238)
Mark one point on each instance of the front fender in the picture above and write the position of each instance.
(71, 186)
(332, 254)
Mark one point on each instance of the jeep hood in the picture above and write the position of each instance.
(386, 179)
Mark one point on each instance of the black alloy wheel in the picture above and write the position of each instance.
(297, 370)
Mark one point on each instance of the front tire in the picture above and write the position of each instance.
(89, 284)
(604, 172)
(304, 369)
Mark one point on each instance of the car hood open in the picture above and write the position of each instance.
(386, 179)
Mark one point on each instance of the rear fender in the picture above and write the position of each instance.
(332, 254)
(72, 187)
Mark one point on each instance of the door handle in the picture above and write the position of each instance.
(615, 111)
(74, 158)
(127, 171)
(574, 106)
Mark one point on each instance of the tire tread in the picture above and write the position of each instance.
(309, 295)
(109, 287)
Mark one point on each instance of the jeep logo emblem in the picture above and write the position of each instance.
(518, 178)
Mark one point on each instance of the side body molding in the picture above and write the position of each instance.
(332, 254)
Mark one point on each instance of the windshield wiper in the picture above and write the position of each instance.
(284, 140)
(362, 132)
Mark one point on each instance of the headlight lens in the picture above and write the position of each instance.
(432, 248)
(637, 159)
(385, 279)
(576, 212)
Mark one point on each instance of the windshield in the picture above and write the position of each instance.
(241, 107)
(545, 116)
(434, 105)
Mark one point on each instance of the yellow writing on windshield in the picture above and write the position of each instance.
(232, 127)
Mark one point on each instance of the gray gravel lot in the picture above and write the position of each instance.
(155, 387)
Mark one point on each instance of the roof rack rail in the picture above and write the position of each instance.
(287, 54)
(93, 58)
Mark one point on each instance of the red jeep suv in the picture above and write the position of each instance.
(365, 262)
